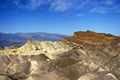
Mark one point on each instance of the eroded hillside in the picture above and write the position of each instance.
(83, 56)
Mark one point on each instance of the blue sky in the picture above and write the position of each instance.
(60, 16)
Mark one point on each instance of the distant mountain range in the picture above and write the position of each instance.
(21, 38)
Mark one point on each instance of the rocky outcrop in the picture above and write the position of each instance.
(39, 67)
(98, 76)
(1, 47)
(33, 67)
(32, 47)
(14, 47)
(74, 58)
(91, 38)
(102, 50)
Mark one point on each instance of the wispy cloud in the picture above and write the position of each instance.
(61, 5)
(28, 4)
(105, 6)
(96, 6)
(16, 2)
(99, 10)
(34, 4)
(83, 3)
(109, 2)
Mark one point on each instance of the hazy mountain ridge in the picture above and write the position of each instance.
(21, 38)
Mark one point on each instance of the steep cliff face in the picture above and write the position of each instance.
(93, 38)
(79, 57)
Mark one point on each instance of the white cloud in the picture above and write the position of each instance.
(109, 2)
(106, 6)
(83, 3)
(34, 4)
(99, 10)
(28, 4)
(98, 6)
(61, 5)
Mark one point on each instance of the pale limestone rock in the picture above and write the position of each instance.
(51, 49)
(95, 76)
(34, 67)
(32, 47)
(4, 78)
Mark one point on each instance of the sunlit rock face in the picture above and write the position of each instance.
(28, 67)
(93, 38)
(32, 47)
(98, 76)
(73, 58)
(51, 49)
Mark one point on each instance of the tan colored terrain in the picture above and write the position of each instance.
(83, 56)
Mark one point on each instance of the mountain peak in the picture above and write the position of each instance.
(30, 41)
